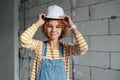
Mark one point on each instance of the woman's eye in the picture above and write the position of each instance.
(57, 26)
(49, 26)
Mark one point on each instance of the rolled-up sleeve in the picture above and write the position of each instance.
(79, 48)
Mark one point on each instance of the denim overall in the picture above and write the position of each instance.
(52, 69)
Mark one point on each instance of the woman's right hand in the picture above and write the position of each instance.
(41, 20)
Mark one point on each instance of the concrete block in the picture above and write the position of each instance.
(21, 63)
(61, 3)
(43, 8)
(24, 5)
(81, 14)
(33, 3)
(97, 59)
(31, 65)
(31, 54)
(25, 79)
(105, 43)
(96, 27)
(23, 73)
(44, 1)
(26, 13)
(32, 20)
(70, 60)
(115, 26)
(105, 10)
(71, 71)
(115, 58)
(23, 11)
(81, 72)
(21, 27)
(21, 14)
(23, 53)
(28, 51)
(105, 74)
(35, 11)
(79, 3)
(68, 12)
(26, 23)
(25, 63)
(66, 40)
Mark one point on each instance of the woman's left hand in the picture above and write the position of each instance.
(67, 20)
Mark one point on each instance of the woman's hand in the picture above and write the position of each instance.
(41, 20)
(67, 20)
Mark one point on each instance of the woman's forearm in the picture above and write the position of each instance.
(80, 40)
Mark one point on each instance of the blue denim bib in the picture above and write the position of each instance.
(52, 69)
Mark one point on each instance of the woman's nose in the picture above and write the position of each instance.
(53, 29)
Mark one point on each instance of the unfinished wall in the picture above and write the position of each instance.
(97, 20)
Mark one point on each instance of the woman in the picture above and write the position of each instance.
(52, 57)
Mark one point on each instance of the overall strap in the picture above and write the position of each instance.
(61, 49)
(44, 48)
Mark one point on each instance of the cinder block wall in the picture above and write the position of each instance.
(97, 20)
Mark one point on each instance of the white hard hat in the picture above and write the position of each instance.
(54, 12)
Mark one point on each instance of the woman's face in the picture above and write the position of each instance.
(53, 30)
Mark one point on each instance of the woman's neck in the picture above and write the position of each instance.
(54, 44)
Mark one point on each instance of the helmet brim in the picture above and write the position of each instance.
(47, 17)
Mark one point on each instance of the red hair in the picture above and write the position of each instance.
(62, 25)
